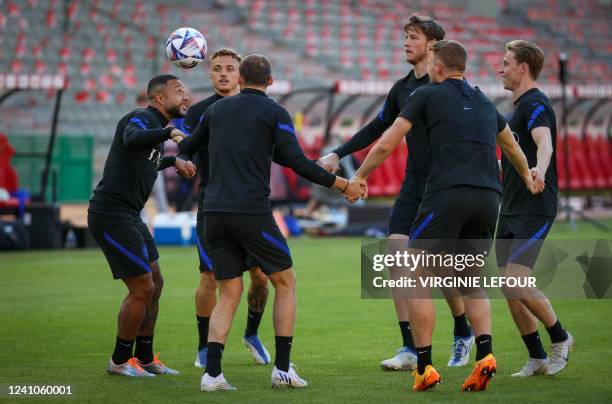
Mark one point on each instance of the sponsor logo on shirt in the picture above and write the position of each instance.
(155, 158)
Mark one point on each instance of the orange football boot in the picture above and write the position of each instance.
(429, 379)
(481, 374)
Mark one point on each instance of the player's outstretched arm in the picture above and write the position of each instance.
(385, 146)
(515, 155)
(288, 153)
(165, 162)
(543, 140)
(137, 135)
(189, 145)
(359, 141)
(363, 138)
(184, 168)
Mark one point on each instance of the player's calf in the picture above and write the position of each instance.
(257, 298)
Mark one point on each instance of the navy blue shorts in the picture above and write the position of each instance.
(125, 241)
(519, 238)
(231, 238)
(455, 215)
(205, 261)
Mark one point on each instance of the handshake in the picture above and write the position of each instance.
(357, 188)
(184, 168)
(535, 181)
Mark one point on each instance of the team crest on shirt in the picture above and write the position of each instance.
(155, 157)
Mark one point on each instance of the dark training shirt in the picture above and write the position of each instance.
(419, 152)
(533, 110)
(462, 126)
(192, 119)
(243, 133)
(133, 160)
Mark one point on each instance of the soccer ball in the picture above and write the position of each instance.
(186, 47)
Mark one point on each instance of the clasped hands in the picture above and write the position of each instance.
(536, 183)
(357, 188)
(185, 168)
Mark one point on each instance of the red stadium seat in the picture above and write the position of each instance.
(103, 96)
(16, 66)
(85, 69)
(65, 52)
(603, 147)
(120, 98)
(130, 81)
(51, 19)
(37, 51)
(71, 10)
(81, 96)
(39, 66)
(88, 54)
(596, 165)
(111, 55)
(12, 9)
(106, 80)
(89, 84)
(62, 68)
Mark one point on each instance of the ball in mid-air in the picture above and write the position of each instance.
(186, 47)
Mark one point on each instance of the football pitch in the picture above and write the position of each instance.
(58, 324)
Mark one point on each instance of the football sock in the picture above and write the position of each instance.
(423, 358)
(283, 352)
(484, 346)
(406, 334)
(557, 333)
(253, 320)
(534, 345)
(123, 351)
(202, 331)
(144, 348)
(462, 328)
(213, 358)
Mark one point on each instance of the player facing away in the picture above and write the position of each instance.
(224, 77)
(245, 133)
(420, 33)
(463, 191)
(525, 217)
(135, 157)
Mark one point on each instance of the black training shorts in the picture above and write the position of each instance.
(205, 261)
(403, 214)
(457, 213)
(519, 238)
(230, 238)
(125, 241)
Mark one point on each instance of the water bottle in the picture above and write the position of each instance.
(71, 240)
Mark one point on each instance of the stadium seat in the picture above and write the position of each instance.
(596, 165)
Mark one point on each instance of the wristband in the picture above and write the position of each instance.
(347, 184)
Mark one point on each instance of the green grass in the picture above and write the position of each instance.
(58, 312)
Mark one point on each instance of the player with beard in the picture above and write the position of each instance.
(114, 220)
